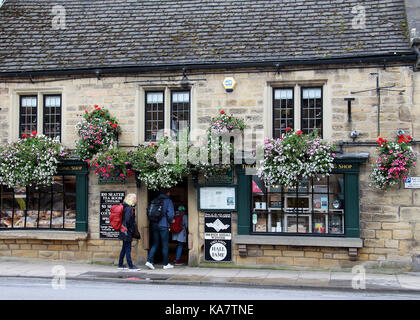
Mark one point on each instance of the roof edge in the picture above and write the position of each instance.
(407, 57)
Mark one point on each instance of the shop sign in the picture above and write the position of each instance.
(108, 199)
(412, 183)
(218, 237)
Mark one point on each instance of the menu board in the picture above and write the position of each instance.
(217, 198)
(108, 199)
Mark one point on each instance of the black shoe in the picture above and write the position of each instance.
(123, 267)
(134, 268)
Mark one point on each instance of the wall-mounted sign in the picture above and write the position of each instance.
(412, 183)
(108, 199)
(217, 198)
(218, 237)
(229, 84)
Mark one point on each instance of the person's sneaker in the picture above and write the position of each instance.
(178, 263)
(124, 267)
(149, 265)
(168, 266)
(134, 268)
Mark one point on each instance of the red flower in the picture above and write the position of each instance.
(288, 129)
(299, 132)
(409, 138)
(24, 136)
(114, 125)
(222, 112)
(86, 111)
(34, 133)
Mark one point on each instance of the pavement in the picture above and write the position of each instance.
(212, 276)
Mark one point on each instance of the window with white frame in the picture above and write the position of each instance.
(287, 113)
(50, 113)
(166, 109)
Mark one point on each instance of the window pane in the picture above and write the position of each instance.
(180, 109)
(311, 110)
(28, 115)
(52, 116)
(282, 111)
(154, 115)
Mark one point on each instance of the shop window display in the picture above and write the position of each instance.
(313, 207)
(50, 207)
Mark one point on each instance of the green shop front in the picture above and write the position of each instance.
(276, 225)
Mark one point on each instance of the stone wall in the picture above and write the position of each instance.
(389, 221)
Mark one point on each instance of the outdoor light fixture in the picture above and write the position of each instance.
(184, 81)
(354, 134)
(400, 132)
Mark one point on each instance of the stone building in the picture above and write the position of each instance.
(303, 64)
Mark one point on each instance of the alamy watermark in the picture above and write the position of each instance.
(359, 21)
(59, 17)
(58, 281)
(359, 280)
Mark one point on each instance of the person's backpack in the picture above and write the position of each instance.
(116, 216)
(155, 210)
(176, 226)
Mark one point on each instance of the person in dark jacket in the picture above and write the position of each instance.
(160, 230)
(126, 231)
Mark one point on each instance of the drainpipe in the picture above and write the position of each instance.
(416, 47)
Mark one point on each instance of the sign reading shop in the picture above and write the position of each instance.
(218, 237)
(108, 199)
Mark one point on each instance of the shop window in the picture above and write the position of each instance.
(154, 114)
(50, 207)
(180, 109)
(283, 111)
(311, 110)
(313, 207)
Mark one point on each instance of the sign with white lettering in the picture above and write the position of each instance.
(218, 237)
(412, 183)
(107, 200)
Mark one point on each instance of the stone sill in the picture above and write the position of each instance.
(43, 235)
(299, 241)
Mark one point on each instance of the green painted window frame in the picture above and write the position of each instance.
(348, 167)
(81, 171)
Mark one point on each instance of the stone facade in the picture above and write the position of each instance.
(389, 221)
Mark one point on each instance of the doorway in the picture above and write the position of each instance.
(179, 197)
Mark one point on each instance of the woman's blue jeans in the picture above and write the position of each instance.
(126, 250)
(159, 233)
(179, 250)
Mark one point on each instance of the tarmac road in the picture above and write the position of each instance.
(43, 289)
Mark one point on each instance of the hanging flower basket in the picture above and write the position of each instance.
(30, 161)
(156, 174)
(395, 161)
(294, 157)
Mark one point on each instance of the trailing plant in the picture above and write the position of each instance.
(395, 161)
(295, 156)
(158, 165)
(216, 146)
(113, 163)
(30, 161)
(97, 132)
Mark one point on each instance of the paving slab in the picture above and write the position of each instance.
(409, 282)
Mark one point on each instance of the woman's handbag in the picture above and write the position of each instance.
(136, 233)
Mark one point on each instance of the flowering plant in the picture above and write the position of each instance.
(394, 163)
(155, 167)
(30, 161)
(114, 162)
(223, 124)
(97, 131)
(295, 156)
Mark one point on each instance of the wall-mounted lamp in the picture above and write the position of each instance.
(184, 81)
(400, 132)
(354, 134)
(349, 100)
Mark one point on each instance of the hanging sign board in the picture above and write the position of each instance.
(412, 183)
(108, 199)
(218, 237)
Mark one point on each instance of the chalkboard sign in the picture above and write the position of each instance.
(218, 237)
(108, 199)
